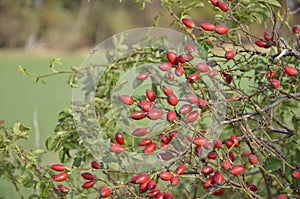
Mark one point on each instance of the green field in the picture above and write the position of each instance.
(20, 96)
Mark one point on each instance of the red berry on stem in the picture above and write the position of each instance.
(160, 195)
(155, 114)
(228, 143)
(168, 195)
(229, 55)
(165, 66)
(105, 192)
(153, 193)
(143, 187)
(201, 103)
(167, 90)
(179, 71)
(252, 187)
(207, 170)
(214, 2)
(138, 115)
(88, 176)
(192, 116)
(151, 184)
(226, 165)
(296, 29)
(145, 142)
(223, 6)
(150, 94)
(126, 99)
(140, 132)
(219, 192)
(261, 43)
(185, 109)
(192, 98)
(116, 148)
(200, 141)
(150, 148)
(142, 178)
(95, 165)
(212, 155)
(218, 178)
(174, 181)
(166, 175)
(237, 169)
(267, 36)
(171, 75)
(57, 167)
(253, 159)
(145, 105)
(218, 143)
(202, 67)
(88, 184)
(171, 116)
(275, 83)
(235, 140)
(193, 78)
(281, 196)
(221, 30)
(208, 26)
(290, 70)
(142, 76)
(119, 138)
(63, 188)
(172, 57)
(180, 169)
(172, 99)
(228, 78)
(231, 156)
(296, 174)
(61, 177)
(270, 74)
(188, 23)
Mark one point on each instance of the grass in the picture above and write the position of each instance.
(21, 97)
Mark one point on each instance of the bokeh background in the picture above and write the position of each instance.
(32, 32)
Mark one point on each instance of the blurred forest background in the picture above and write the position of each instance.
(73, 24)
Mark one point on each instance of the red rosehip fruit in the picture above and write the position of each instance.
(252, 187)
(172, 100)
(223, 6)
(180, 169)
(185, 109)
(226, 165)
(63, 189)
(95, 165)
(221, 30)
(290, 70)
(171, 116)
(119, 138)
(88, 184)
(281, 196)
(140, 132)
(150, 148)
(218, 178)
(253, 159)
(193, 78)
(145, 142)
(57, 167)
(208, 26)
(202, 67)
(192, 98)
(201, 103)
(192, 116)
(295, 29)
(126, 99)
(214, 2)
(172, 57)
(116, 148)
(167, 90)
(270, 74)
(105, 192)
(188, 23)
(61, 177)
(88, 176)
(237, 169)
(296, 174)
(165, 66)
(142, 76)
(150, 94)
(174, 181)
(179, 71)
(261, 43)
(166, 175)
(155, 114)
(275, 83)
(229, 55)
(267, 36)
(151, 184)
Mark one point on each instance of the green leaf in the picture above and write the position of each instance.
(272, 164)
(77, 161)
(273, 3)
(297, 156)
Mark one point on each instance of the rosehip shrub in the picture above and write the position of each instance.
(214, 115)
